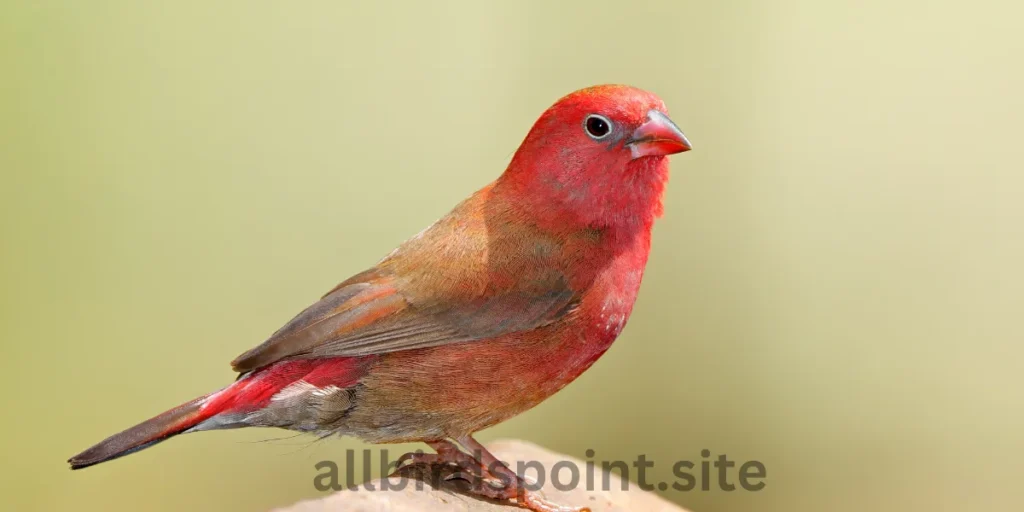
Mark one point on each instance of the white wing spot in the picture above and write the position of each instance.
(300, 388)
(326, 391)
(614, 323)
(294, 390)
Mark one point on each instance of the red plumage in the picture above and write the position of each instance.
(483, 315)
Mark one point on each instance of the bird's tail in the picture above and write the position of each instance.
(146, 434)
(225, 408)
(237, 405)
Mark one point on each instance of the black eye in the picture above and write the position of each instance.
(597, 126)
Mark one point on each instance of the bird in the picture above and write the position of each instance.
(481, 316)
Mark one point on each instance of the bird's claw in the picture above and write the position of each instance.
(537, 504)
(502, 485)
(415, 459)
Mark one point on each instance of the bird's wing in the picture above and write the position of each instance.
(463, 279)
(375, 317)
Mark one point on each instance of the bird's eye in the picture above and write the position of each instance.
(598, 127)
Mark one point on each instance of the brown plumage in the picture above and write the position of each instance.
(483, 315)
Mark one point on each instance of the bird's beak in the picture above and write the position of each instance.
(658, 136)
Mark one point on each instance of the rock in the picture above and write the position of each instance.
(447, 497)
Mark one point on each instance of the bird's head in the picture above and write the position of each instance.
(598, 157)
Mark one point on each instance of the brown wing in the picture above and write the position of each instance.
(374, 317)
(459, 281)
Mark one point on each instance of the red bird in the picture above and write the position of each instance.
(483, 315)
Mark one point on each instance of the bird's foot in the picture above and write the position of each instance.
(496, 488)
(494, 480)
(412, 459)
(447, 455)
(537, 503)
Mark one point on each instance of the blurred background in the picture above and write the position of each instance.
(835, 289)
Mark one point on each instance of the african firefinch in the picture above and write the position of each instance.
(480, 317)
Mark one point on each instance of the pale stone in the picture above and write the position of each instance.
(447, 498)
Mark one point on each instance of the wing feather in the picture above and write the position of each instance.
(374, 318)
(457, 282)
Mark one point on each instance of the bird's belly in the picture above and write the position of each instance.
(458, 389)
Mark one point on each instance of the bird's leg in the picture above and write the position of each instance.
(447, 453)
(487, 476)
(451, 463)
(515, 487)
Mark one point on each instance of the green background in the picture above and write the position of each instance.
(835, 289)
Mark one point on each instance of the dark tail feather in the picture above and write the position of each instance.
(144, 435)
